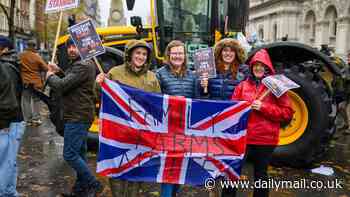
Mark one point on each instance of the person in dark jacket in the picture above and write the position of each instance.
(230, 68)
(344, 106)
(342, 93)
(77, 88)
(175, 79)
(11, 124)
(264, 121)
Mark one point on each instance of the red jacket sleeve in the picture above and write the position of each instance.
(279, 111)
(237, 93)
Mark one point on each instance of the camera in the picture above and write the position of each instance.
(136, 21)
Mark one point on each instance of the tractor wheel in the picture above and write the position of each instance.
(304, 138)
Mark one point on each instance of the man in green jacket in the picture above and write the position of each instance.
(134, 72)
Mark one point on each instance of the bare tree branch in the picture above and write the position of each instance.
(10, 18)
(4, 10)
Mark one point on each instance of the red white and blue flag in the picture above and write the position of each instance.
(169, 139)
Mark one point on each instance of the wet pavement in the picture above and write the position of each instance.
(43, 172)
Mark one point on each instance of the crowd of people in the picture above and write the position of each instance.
(235, 80)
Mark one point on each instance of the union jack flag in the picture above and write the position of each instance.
(169, 139)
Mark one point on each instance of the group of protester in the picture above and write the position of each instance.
(234, 80)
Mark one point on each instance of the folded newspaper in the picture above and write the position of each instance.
(279, 84)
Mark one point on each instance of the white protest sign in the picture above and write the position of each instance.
(59, 5)
(279, 84)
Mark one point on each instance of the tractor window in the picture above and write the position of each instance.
(187, 19)
(233, 15)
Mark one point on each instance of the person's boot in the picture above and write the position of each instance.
(95, 190)
(76, 191)
(36, 123)
(29, 123)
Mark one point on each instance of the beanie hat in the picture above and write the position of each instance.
(69, 42)
(5, 42)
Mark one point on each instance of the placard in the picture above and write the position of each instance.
(279, 84)
(204, 62)
(86, 39)
(59, 5)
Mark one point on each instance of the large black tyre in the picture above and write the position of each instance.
(311, 143)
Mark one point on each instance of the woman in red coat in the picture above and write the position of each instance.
(264, 121)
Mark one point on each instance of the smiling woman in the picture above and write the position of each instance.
(138, 58)
(176, 79)
(134, 72)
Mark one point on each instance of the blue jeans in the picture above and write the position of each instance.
(9, 145)
(168, 190)
(74, 153)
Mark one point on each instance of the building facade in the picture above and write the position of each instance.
(313, 22)
(92, 11)
(116, 13)
(23, 28)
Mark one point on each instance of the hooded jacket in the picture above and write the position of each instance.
(10, 87)
(263, 125)
(222, 86)
(143, 79)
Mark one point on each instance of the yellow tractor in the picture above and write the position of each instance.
(201, 23)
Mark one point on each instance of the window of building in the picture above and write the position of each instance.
(310, 22)
(332, 16)
(275, 32)
(2, 20)
(261, 34)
